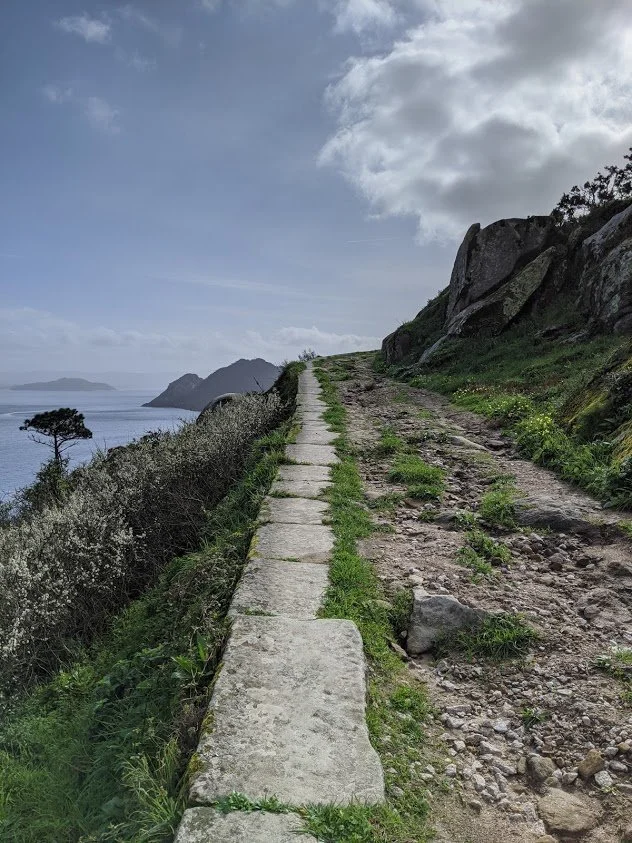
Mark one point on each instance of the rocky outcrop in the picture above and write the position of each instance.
(489, 256)
(495, 312)
(607, 288)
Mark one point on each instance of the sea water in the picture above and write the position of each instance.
(115, 418)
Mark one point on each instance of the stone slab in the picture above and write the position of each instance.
(300, 488)
(300, 542)
(281, 588)
(304, 472)
(310, 402)
(310, 435)
(205, 825)
(303, 416)
(312, 454)
(293, 511)
(288, 715)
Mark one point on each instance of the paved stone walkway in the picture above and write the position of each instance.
(288, 708)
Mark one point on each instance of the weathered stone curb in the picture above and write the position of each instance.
(287, 715)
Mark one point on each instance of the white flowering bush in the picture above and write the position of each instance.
(63, 571)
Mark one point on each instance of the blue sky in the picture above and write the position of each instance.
(189, 182)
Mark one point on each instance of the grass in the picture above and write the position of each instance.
(498, 506)
(397, 705)
(387, 502)
(100, 752)
(389, 443)
(498, 637)
(544, 393)
(425, 482)
(618, 664)
(493, 552)
(533, 716)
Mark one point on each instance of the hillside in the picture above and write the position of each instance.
(66, 385)
(190, 392)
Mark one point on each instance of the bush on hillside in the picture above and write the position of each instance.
(64, 571)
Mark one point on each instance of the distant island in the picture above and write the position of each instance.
(191, 392)
(66, 385)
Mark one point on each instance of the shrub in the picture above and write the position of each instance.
(66, 570)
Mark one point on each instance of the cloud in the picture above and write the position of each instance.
(359, 15)
(57, 94)
(170, 34)
(91, 30)
(101, 115)
(485, 110)
(288, 342)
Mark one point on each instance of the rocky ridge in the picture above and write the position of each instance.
(514, 268)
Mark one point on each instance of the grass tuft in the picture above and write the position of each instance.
(498, 637)
(425, 482)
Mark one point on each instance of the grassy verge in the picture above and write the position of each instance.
(397, 706)
(527, 384)
(99, 753)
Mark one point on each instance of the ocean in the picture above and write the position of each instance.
(115, 418)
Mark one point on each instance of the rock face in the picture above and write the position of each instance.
(190, 392)
(495, 312)
(516, 267)
(434, 615)
(488, 256)
(568, 814)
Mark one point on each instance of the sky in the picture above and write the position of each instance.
(185, 183)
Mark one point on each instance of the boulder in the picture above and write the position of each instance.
(488, 256)
(535, 511)
(434, 616)
(494, 313)
(591, 764)
(566, 813)
(396, 346)
(607, 289)
(618, 228)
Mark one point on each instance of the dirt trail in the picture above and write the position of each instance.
(576, 591)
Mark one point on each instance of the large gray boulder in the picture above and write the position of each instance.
(607, 289)
(488, 256)
(494, 313)
(435, 616)
(396, 346)
(618, 228)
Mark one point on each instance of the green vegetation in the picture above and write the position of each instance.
(389, 443)
(482, 553)
(397, 705)
(498, 637)
(498, 506)
(618, 663)
(100, 750)
(532, 716)
(425, 482)
(386, 503)
(568, 405)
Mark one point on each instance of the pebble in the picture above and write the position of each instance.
(603, 779)
(451, 770)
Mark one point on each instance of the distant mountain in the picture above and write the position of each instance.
(66, 385)
(190, 392)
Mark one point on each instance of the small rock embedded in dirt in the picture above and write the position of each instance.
(435, 614)
(540, 767)
(567, 813)
(592, 763)
(603, 779)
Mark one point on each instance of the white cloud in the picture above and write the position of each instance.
(485, 110)
(210, 5)
(101, 115)
(90, 29)
(359, 15)
(288, 342)
(57, 94)
(171, 34)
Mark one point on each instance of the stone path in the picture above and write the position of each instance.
(287, 716)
